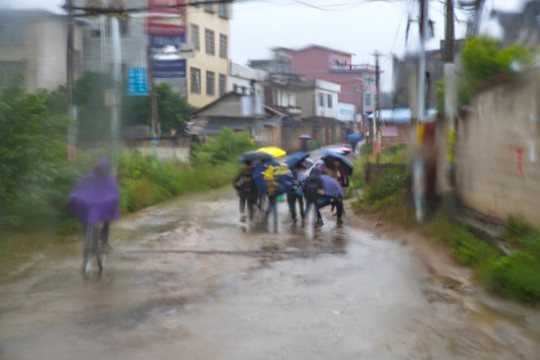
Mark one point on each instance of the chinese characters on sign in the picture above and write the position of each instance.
(167, 30)
(137, 82)
(169, 19)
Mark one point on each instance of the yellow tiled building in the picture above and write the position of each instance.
(208, 29)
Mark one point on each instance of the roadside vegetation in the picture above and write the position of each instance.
(515, 275)
(483, 58)
(36, 177)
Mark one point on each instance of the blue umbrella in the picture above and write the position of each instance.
(272, 177)
(354, 137)
(296, 159)
(330, 154)
(331, 186)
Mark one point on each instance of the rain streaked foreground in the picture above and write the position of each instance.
(187, 280)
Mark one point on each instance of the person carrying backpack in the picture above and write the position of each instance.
(295, 194)
(246, 190)
(312, 189)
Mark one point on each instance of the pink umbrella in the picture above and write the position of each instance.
(305, 136)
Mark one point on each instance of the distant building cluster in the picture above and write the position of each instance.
(313, 85)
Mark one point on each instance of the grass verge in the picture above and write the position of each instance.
(514, 276)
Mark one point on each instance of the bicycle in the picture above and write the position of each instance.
(92, 247)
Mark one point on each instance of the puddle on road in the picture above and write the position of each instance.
(188, 273)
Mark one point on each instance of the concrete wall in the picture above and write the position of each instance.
(498, 172)
(398, 134)
(169, 149)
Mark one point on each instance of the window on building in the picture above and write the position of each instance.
(124, 27)
(194, 29)
(209, 41)
(195, 77)
(8, 71)
(321, 100)
(11, 34)
(209, 7)
(222, 84)
(222, 11)
(368, 99)
(223, 46)
(329, 101)
(210, 83)
(95, 33)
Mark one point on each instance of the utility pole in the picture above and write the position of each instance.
(72, 130)
(418, 172)
(450, 93)
(153, 95)
(377, 135)
(117, 91)
(422, 62)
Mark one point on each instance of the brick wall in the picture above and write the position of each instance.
(498, 170)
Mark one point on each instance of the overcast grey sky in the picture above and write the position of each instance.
(361, 27)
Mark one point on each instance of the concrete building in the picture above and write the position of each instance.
(405, 76)
(206, 32)
(34, 43)
(357, 82)
(247, 81)
(520, 27)
(235, 111)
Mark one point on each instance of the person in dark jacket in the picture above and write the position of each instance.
(295, 194)
(246, 190)
(312, 189)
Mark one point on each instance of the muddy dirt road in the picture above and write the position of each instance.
(187, 280)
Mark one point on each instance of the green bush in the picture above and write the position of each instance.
(35, 177)
(469, 250)
(517, 276)
(221, 149)
(144, 181)
(387, 184)
(314, 144)
(367, 148)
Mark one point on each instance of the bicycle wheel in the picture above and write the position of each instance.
(90, 237)
(100, 255)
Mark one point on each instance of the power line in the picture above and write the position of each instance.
(92, 11)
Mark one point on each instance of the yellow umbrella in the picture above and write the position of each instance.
(273, 150)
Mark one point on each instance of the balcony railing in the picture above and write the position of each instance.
(351, 67)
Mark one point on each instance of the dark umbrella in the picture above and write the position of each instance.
(272, 177)
(326, 155)
(331, 186)
(254, 156)
(354, 137)
(305, 136)
(296, 159)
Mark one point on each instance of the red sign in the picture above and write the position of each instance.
(169, 19)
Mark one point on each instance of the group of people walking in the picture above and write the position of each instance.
(309, 187)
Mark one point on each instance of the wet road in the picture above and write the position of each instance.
(187, 280)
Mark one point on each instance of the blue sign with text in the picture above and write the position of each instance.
(169, 68)
(137, 82)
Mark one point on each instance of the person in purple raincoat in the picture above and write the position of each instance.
(95, 200)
